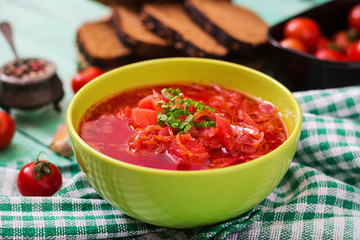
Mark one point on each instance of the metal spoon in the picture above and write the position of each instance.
(6, 30)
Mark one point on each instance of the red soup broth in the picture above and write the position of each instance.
(232, 128)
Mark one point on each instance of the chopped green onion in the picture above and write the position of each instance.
(181, 101)
(172, 113)
(210, 123)
(161, 118)
(175, 92)
(210, 108)
(166, 94)
(187, 128)
(189, 118)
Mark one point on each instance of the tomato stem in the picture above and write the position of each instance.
(352, 34)
(41, 168)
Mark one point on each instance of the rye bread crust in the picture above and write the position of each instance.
(236, 46)
(139, 47)
(184, 47)
(103, 63)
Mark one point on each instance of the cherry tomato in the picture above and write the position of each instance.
(323, 43)
(293, 43)
(343, 39)
(85, 76)
(39, 178)
(354, 17)
(7, 130)
(305, 29)
(353, 51)
(330, 54)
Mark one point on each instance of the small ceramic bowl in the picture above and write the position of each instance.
(301, 71)
(29, 84)
(184, 199)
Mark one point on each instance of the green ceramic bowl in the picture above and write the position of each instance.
(184, 199)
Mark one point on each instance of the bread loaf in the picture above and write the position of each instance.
(170, 21)
(132, 33)
(237, 28)
(99, 46)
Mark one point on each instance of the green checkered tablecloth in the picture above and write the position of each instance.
(319, 197)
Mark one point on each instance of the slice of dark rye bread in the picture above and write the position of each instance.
(237, 28)
(170, 21)
(132, 32)
(99, 46)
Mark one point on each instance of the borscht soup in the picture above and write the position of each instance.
(183, 127)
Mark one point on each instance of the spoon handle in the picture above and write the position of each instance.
(6, 30)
